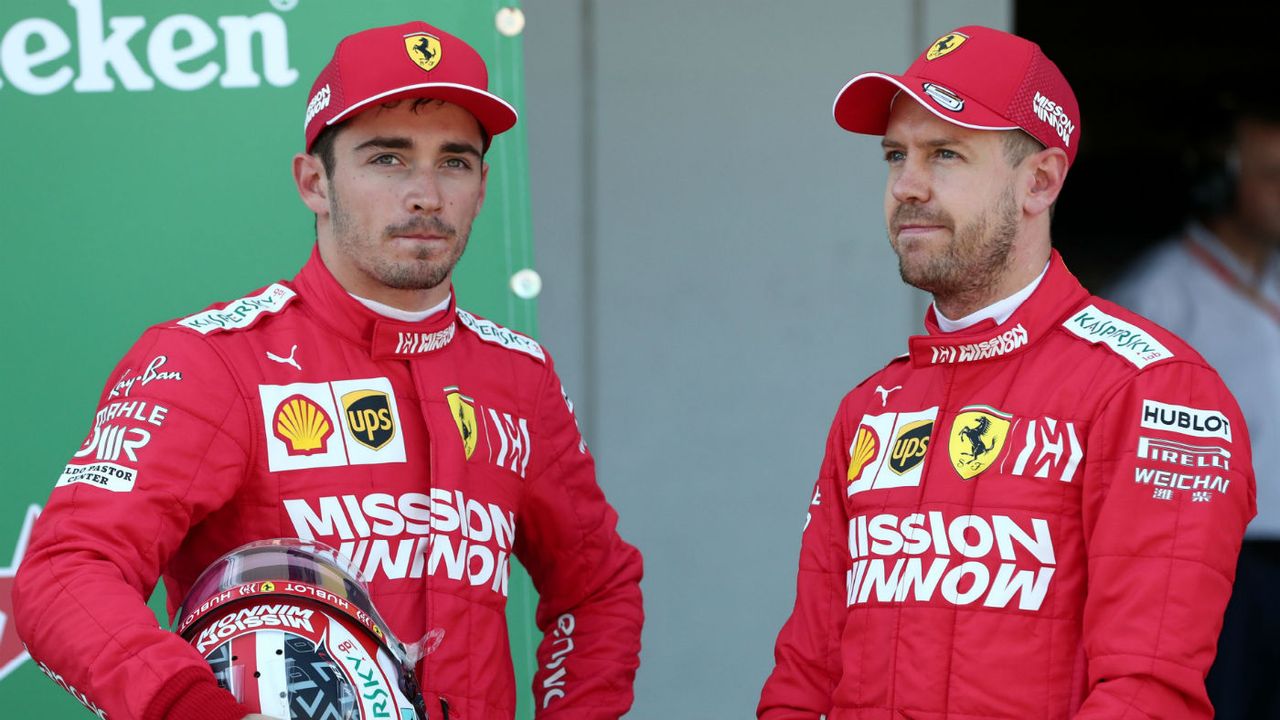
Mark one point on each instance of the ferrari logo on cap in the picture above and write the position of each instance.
(423, 49)
(945, 44)
(977, 437)
(464, 414)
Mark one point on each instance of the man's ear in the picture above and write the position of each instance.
(312, 182)
(1047, 171)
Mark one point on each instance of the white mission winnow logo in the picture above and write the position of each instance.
(39, 57)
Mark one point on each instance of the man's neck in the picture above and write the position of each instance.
(1020, 273)
(998, 311)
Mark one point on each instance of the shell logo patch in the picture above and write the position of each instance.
(977, 437)
(302, 426)
(945, 45)
(331, 424)
(881, 465)
(423, 49)
(865, 447)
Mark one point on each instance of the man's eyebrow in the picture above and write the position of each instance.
(461, 148)
(936, 142)
(392, 143)
(404, 143)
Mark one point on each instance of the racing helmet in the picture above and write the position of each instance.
(289, 629)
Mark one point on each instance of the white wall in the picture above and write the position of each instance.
(716, 276)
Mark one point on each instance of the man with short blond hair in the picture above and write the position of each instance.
(1034, 512)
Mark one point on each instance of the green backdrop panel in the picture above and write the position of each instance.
(145, 150)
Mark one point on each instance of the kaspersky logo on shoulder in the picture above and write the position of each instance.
(91, 50)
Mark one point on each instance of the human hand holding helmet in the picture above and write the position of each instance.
(289, 629)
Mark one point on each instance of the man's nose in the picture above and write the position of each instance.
(422, 194)
(911, 183)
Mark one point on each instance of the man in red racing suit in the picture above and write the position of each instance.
(1035, 512)
(431, 452)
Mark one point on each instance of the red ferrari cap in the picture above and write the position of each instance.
(974, 77)
(410, 60)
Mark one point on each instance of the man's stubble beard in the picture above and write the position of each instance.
(974, 261)
(421, 274)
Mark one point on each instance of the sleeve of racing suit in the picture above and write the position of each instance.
(807, 653)
(1169, 489)
(588, 579)
(163, 451)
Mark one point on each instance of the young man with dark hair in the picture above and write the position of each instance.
(359, 406)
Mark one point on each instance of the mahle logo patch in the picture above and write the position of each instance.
(464, 414)
(945, 45)
(369, 418)
(977, 436)
(423, 49)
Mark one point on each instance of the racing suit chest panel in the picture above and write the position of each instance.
(975, 524)
(350, 451)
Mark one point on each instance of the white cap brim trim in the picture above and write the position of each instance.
(927, 106)
(422, 86)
